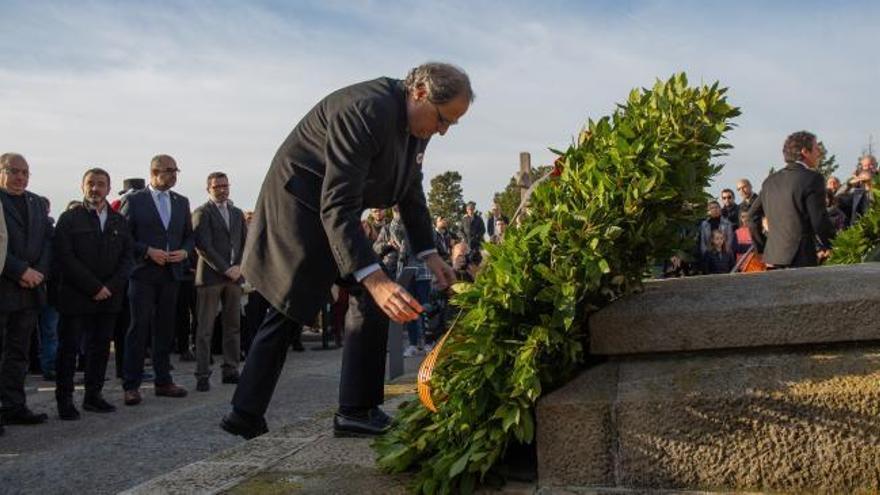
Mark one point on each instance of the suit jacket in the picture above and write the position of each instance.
(219, 247)
(147, 230)
(473, 229)
(28, 246)
(88, 258)
(350, 152)
(3, 238)
(793, 200)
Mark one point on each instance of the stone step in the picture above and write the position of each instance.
(761, 420)
(778, 308)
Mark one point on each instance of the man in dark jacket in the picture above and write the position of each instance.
(162, 237)
(92, 249)
(220, 232)
(793, 201)
(473, 229)
(22, 284)
(360, 147)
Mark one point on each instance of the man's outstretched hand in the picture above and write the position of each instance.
(443, 273)
(395, 301)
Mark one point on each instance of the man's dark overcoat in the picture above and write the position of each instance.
(352, 151)
(793, 200)
(88, 258)
(28, 246)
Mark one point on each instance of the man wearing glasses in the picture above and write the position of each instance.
(162, 240)
(22, 287)
(729, 208)
(360, 147)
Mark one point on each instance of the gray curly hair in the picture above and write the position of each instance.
(444, 82)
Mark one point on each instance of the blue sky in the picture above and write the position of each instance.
(219, 84)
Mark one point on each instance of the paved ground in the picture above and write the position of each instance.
(113, 452)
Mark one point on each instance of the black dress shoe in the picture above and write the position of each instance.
(237, 424)
(230, 378)
(67, 411)
(24, 416)
(370, 423)
(2, 430)
(203, 385)
(97, 404)
(297, 346)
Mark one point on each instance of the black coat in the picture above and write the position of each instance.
(219, 247)
(352, 151)
(147, 230)
(793, 200)
(87, 258)
(473, 229)
(29, 243)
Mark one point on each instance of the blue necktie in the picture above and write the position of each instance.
(164, 208)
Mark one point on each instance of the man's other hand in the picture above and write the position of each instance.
(158, 256)
(102, 294)
(443, 273)
(234, 273)
(30, 278)
(392, 298)
(177, 256)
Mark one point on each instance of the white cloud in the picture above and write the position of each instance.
(219, 85)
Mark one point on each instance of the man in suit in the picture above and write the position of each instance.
(162, 240)
(360, 147)
(793, 202)
(92, 250)
(22, 287)
(220, 231)
(472, 228)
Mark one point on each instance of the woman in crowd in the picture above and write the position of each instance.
(719, 258)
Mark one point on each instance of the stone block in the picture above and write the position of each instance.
(790, 421)
(778, 308)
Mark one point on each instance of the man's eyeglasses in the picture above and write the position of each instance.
(441, 120)
(16, 171)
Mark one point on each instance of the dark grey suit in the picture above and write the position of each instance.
(219, 247)
(352, 151)
(793, 200)
(28, 246)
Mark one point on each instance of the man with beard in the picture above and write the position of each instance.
(92, 247)
(360, 147)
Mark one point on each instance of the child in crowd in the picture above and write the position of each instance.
(719, 258)
(743, 236)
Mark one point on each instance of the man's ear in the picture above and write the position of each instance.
(420, 93)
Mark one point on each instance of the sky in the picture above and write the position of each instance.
(218, 85)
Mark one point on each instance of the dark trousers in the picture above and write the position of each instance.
(123, 320)
(152, 306)
(254, 314)
(16, 329)
(97, 331)
(186, 317)
(363, 360)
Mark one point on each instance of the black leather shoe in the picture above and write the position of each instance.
(202, 384)
(24, 416)
(237, 424)
(2, 430)
(67, 411)
(297, 346)
(371, 423)
(98, 404)
(230, 378)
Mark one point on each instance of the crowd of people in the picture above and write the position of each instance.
(143, 272)
(725, 236)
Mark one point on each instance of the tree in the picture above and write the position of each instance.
(508, 199)
(445, 197)
(827, 164)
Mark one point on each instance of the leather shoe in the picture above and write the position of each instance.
(231, 378)
(67, 411)
(133, 397)
(170, 390)
(2, 430)
(237, 424)
(202, 384)
(23, 416)
(371, 423)
(96, 403)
